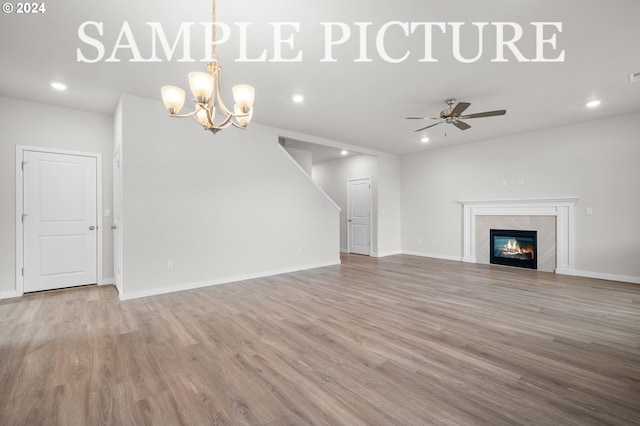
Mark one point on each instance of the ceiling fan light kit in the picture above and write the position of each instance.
(205, 87)
(453, 115)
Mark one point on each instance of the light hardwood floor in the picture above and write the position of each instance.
(395, 341)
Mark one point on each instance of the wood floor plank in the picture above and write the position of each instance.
(401, 340)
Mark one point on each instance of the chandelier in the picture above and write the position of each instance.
(205, 86)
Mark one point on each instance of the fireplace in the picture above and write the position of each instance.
(513, 248)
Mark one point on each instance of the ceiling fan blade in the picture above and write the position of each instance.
(421, 118)
(460, 108)
(461, 125)
(486, 114)
(425, 128)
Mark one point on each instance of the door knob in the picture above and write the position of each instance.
(91, 228)
(114, 227)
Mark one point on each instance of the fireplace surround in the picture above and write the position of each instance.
(563, 209)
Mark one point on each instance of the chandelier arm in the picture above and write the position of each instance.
(210, 116)
(229, 116)
(196, 119)
(225, 123)
(221, 104)
(191, 114)
(238, 126)
(236, 123)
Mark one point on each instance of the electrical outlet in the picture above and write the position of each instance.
(419, 241)
(589, 211)
(504, 182)
(170, 264)
(433, 242)
(521, 181)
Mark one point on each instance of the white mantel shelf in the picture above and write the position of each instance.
(562, 208)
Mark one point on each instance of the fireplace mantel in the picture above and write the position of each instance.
(561, 208)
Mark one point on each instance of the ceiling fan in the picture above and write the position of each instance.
(453, 115)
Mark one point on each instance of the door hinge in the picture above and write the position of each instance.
(23, 163)
(23, 272)
(23, 216)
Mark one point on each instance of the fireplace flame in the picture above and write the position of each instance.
(513, 248)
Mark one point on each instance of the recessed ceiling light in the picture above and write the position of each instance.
(593, 104)
(297, 98)
(58, 86)
(345, 152)
(424, 139)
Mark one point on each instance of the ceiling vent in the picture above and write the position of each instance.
(634, 76)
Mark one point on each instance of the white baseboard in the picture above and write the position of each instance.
(10, 294)
(343, 250)
(386, 253)
(193, 285)
(608, 277)
(560, 271)
(107, 281)
(433, 255)
(565, 271)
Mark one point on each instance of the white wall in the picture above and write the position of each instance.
(389, 205)
(303, 157)
(34, 124)
(384, 170)
(597, 161)
(221, 207)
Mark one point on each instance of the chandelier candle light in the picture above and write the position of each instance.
(205, 86)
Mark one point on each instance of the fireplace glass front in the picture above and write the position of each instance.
(513, 248)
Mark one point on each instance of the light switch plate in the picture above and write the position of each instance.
(107, 212)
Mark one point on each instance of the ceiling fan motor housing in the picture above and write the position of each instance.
(447, 113)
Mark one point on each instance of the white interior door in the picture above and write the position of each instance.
(59, 220)
(359, 212)
(117, 211)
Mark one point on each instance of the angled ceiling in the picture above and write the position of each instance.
(358, 103)
(319, 153)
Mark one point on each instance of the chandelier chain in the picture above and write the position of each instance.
(214, 36)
